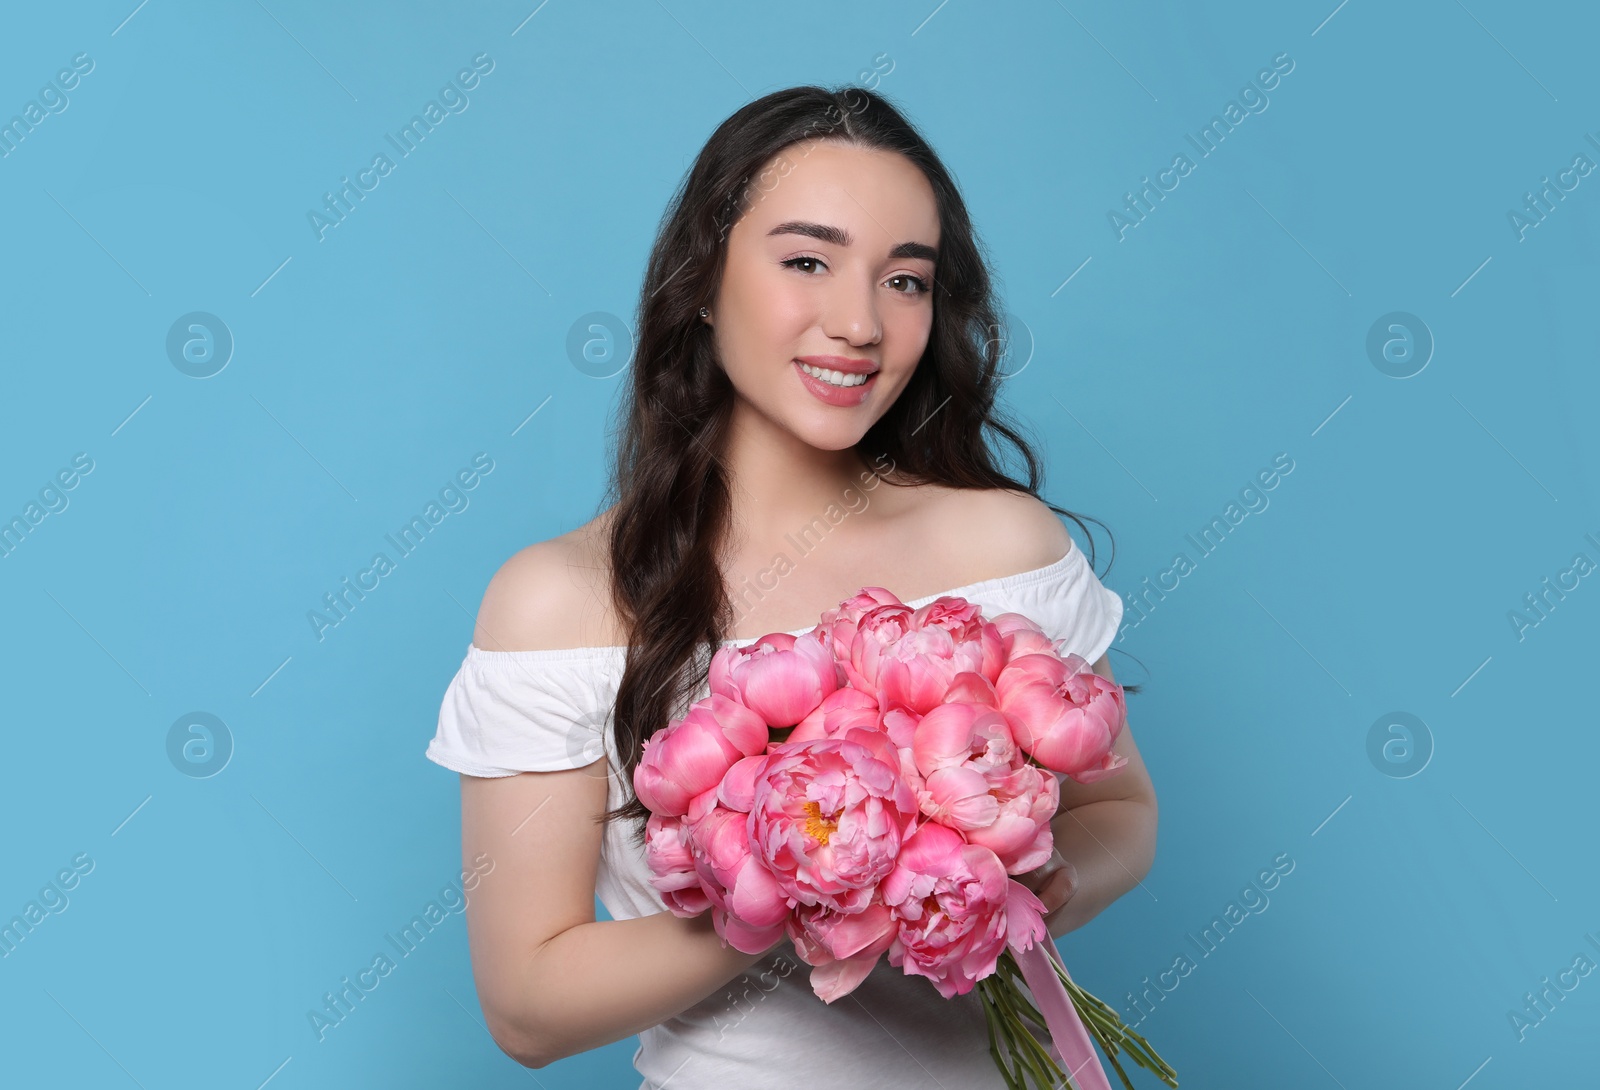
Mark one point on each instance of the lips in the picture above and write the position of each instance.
(849, 365)
(827, 392)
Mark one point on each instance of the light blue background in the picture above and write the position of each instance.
(1229, 326)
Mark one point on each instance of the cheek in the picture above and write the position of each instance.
(785, 310)
(768, 298)
(773, 323)
(906, 334)
(785, 319)
(764, 327)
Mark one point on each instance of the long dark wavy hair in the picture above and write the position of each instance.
(670, 492)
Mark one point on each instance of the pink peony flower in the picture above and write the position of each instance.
(1024, 917)
(842, 948)
(738, 786)
(971, 775)
(949, 898)
(1063, 714)
(1027, 800)
(748, 909)
(1021, 635)
(827, 817)
(689, 757)
(782, 678)
(839, 624)
(876, 628)
(910, 657)
(958, 733)
(672, 865)
(955, 749)
(840, 711)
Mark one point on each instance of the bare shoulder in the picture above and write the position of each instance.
(1002, 531)
(549, 595)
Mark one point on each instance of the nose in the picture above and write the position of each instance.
(852, 313)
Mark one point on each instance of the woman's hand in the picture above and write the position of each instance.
(1054, 883)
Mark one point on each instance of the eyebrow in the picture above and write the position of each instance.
(838, 236)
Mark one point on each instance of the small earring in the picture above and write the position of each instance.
(704, 313)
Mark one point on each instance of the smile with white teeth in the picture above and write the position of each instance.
(834, 378)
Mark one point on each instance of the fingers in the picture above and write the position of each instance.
(1054, 893)
(1053, 882)
(1042, 874)
(1058, 888)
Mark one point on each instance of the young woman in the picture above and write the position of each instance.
(815, 373)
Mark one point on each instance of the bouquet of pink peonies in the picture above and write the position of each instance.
(870, 787)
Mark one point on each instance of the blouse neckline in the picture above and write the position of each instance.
(1033, 575)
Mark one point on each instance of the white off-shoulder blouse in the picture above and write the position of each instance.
(507, 712)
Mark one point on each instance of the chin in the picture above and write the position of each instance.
(836, 437)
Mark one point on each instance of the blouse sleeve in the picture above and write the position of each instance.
(506, 712)
(1073, 606)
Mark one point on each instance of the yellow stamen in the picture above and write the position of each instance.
(817, 826)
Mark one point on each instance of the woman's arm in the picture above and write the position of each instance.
(552, 980)
(1105, 836)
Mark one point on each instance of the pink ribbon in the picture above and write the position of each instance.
(1067, 1032)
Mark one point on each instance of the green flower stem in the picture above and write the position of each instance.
(1019, 1001)
(1112, 1030)
(1019, 1040)
(1049, 1072)
(1018, 1074)
(1005, 1028)
(1106, 1027)
(994, 1040)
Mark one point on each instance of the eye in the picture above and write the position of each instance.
(921, 286)
(918, 286)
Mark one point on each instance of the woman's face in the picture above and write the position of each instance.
(831, 269)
